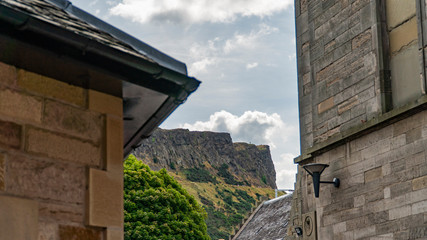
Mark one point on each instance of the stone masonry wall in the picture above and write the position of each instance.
(383, 192)
(338, 80)
(60, 160)
(363, 111)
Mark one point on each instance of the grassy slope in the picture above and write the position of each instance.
(224, 215)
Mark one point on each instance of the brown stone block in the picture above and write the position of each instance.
(114, 138)
(18, 219)
(419, 183)
(403, 35)
(105, 203)
(373, 174)
(48, 231)
(78, 233)
(55, 212)
(45, 180)
(65, 148)
(50, 87)
(74, 121)
(115, 234)
(347, 105)
(325, 105)
(2, 171)
(105, 103)
(10, 134)
(21, 106)
(359, 40)
(7, 74)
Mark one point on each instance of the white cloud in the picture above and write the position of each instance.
(257, 128)
(251, 65)
(196, 11)
(93, 3)
(201, 65)
(219, 50)
(253, 126)
(248, 41)
(292, 56)
(285, 171)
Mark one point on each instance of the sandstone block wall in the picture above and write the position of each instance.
(383, 192)
(61, 158)
(338, 78)
(362, 81)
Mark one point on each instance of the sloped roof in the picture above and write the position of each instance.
(56, 39)
(268, 222)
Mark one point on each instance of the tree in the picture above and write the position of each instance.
(157, 207)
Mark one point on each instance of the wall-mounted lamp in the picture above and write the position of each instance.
(315, 170)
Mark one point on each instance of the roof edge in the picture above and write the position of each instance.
(158, 56)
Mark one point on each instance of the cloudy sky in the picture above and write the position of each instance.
(243, 51)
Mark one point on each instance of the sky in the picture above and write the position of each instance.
(243, 52)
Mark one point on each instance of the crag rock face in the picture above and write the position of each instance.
(184, 149)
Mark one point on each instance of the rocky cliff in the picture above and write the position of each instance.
(183, 149)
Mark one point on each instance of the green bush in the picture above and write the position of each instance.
(157, 207)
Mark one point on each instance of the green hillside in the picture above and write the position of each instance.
(226, 199)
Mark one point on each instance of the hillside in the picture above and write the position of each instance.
(227, 178)
(184, 149)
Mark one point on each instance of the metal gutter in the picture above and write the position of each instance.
(23, 22)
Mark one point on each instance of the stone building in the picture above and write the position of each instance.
(362, 101)
(76, 96)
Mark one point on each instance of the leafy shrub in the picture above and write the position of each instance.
(157, 207)
(172, 166)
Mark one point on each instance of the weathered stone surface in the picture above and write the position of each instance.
(77, 233)
(347, 105)
(20, 106)
(406, 76)
(325, 105)
(62, 212)
(48, 231)
(115, 234)
(18, 219)
(7, 74)
(361, 39)
(398, 12)
(74, 121)
(105, 199)
(403, 35)
(383, 191)
(10, 134)
(419, 183)
(45, 180)
(2, 172)
(114, 144)
(50, 87)
(103, 103)
(66, 148)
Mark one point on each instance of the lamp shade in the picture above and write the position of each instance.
(315, 168)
